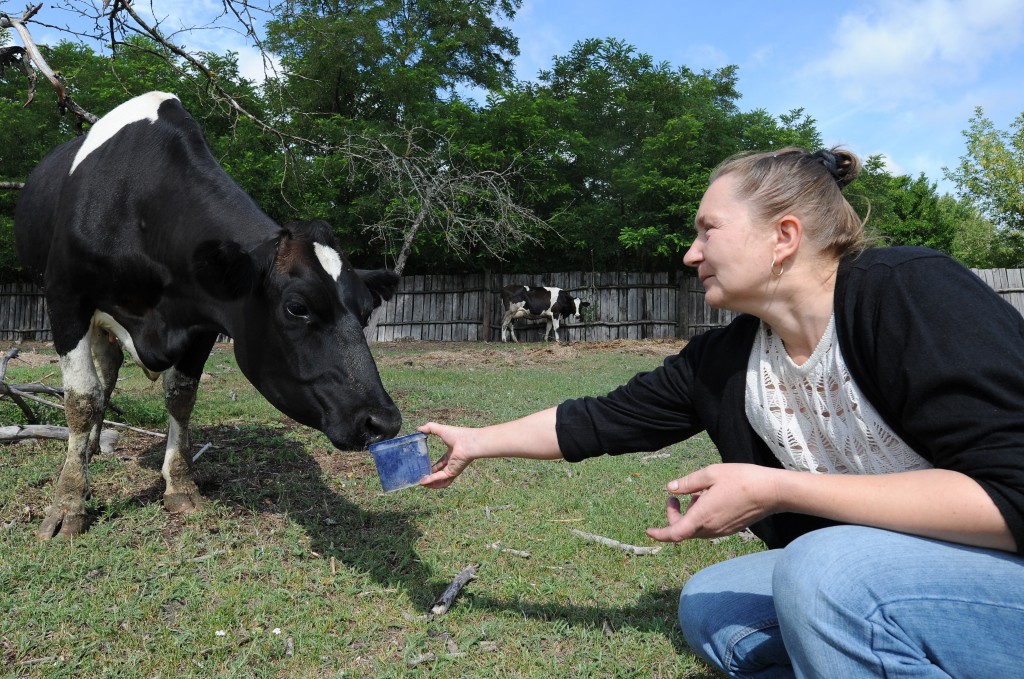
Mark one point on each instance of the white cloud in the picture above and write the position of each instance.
(895, 52)
(700, 56)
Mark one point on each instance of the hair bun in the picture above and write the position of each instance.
(835, 166)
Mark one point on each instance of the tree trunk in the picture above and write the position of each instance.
(370, 333)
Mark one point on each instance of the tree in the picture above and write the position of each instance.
(991, 174)
(389, 61)
(425, 186)
(620, 147)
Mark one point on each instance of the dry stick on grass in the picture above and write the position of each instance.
(632, 549)
(22, 392)
(111, 423)
(444, 602)
(515, 552)
(14, 393)
(488, 510)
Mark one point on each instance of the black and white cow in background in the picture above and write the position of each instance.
(136, 232)
(551, 304)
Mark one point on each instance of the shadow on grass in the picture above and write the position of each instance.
(258, 469)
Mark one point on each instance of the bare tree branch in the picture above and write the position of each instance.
(429, 184)
(36, 60)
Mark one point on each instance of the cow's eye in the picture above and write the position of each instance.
(297, 309)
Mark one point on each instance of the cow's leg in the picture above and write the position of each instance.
(107, 357)
(84, 403)
(181, 383)
(552, 325)
(506, 321)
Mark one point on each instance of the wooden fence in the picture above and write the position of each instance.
(622, 306)
(467, 308)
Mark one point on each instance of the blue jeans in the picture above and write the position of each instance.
(852, 602)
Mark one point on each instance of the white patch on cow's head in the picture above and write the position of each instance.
(329, 258)
(143, 107)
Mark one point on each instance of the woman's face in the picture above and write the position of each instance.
(731, 253)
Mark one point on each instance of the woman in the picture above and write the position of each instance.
(869, 410)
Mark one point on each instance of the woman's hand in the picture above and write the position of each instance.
(726, 498)
(532, 437)
(460, 442)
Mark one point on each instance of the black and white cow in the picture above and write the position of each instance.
(136, 232)
(551, 304)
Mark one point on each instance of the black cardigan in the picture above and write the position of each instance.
(933, 348)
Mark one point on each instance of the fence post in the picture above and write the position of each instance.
(682, 306)
(485, 333)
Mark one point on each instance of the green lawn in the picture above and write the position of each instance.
(299, 566)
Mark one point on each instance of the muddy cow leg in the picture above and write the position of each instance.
(180, 386)
(84, 403)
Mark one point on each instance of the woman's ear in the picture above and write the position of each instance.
(789, 233)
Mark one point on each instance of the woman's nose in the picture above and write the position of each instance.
(693, 255)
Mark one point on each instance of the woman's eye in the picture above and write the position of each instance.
(297, 309)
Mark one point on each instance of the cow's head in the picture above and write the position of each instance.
(299, 309)
(570, 306)
(578, 306)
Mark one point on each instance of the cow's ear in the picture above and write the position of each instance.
(224, 270)
(583, 304)
(381, 282)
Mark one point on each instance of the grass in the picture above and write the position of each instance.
(298, 566)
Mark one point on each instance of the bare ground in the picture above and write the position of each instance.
(479, 354)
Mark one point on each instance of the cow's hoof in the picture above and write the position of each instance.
(182, 503)
(59, 522)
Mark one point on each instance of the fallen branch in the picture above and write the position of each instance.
(203, 450)
(15, 395)
(488, 510)
(444, 602)
(654, 456)
(120, 425)
(632, 549)
(17, 432)
(744, 535)
(516, 552)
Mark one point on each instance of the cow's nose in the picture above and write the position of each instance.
(381, 424)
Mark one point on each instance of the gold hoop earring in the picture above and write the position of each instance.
(782, 269)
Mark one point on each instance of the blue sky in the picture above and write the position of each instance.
(899, 78)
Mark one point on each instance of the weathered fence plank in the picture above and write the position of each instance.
(624, 305)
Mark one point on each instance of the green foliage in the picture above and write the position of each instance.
(389, 62)
(991, 174)
(902, 210)
(990, 177)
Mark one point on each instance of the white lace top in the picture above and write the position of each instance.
(813, 416)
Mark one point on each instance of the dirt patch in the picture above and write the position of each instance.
(486, 354)
(35, 355)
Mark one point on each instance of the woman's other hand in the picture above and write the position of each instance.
(725, 499)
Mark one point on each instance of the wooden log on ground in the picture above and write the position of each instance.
(18, 432)
(444, 602)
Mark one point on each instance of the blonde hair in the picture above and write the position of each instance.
(808, 185)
